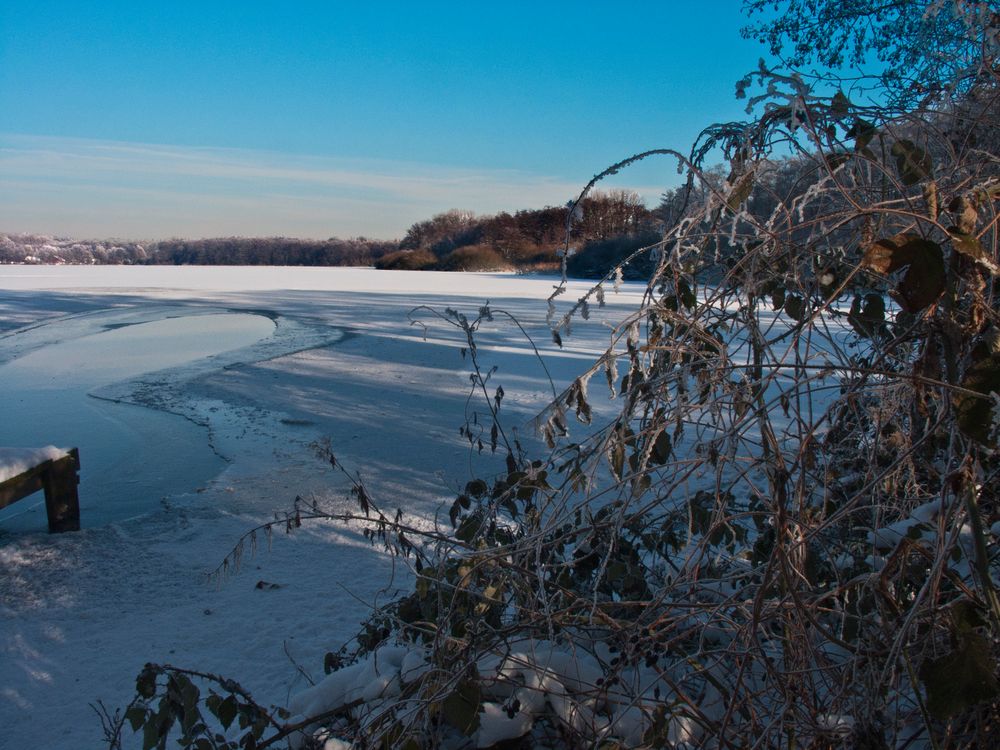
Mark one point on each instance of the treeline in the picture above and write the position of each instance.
(607, 228)
(221, 251)
(37, 248)
(454, 241)
(269, 251)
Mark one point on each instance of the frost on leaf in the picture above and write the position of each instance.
(611, 373)
(576, 397)
(740, 191)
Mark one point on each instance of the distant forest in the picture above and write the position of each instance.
(454, 240)
(611, 226)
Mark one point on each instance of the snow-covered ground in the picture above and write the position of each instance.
(80, 613)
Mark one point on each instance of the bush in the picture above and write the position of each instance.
(407, 260)
(599, 258)
(526, 255)
(474, 258)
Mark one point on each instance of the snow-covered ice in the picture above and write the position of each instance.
(80, 613)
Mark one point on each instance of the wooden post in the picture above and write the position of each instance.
(62, 502)
(58, 478)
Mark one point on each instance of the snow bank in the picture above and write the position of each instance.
(14, 461)
(531, 680)
(364, 680)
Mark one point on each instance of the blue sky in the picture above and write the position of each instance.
(316, 119)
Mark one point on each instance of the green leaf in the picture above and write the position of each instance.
(188, 692)
(150, 734)
(469, 528)
(331, 662)
(136, 716)
(213, 700)
(422, 586)
(794, 307)
(867, 315)
(923, 260)
(840, 105)
(975, 414)
(227, 711)
(913, 163)
(461, 708)
(685, 295)
(145, 683)
(965, 616)
(157, 726)
(961, 679)
(699, 517)
(661, 448)
(862, 132)
(836, 160)
(778, 298)
(616, 572)
(476, 488)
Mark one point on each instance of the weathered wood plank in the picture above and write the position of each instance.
(22, 485)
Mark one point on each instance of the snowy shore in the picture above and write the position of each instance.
(81, 613)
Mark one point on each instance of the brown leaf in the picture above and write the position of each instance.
(931, 199)
(967, 244)
(740, 192)
(923, 260)
(966, 213)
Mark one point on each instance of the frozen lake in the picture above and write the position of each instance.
(81, 613)
(131, 456)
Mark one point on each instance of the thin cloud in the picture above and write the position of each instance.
(97, 188)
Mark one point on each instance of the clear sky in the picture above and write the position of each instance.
(314, 119)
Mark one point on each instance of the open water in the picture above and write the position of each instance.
(132, 457)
